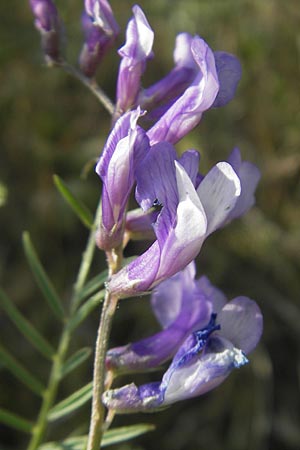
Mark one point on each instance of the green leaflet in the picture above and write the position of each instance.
(75, 360)
(25, 327)
(71, 403)
(110, 437)
(93, 285)
(20, 372)
(85, 310)
(98, 281)
(81, 211)
(14, 421)
(41, 277)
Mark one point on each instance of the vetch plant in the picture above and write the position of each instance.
(204, 337)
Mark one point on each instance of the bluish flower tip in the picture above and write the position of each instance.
(200, 340)
(240, 360)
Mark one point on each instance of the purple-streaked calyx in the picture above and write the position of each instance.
(124, 150)
(100, 30)
(136, 51)
(48, 24)
(204, 360)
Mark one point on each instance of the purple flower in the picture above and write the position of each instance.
(125, 148)
(203, 361)
(136, 51)
(177, 80)
(100, 30)
(229, 74)
(249, 176)
(138, 225)
(166, 91)
(186, 112)
(48, 24)
(181, 305)
(187, 214)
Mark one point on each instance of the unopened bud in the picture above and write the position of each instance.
(47, 23)
(100, 31)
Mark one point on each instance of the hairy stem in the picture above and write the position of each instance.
(63, 346)
(97, 416)
(97, 425)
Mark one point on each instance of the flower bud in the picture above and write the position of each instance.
(100, 31)
(48, 24)
(136, 51)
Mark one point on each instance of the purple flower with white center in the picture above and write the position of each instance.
(125, 148)
(181, 305)
(204, 360)
(136, 51)
(48, 24)
(100, 30)
(186, 112)
(188, 215)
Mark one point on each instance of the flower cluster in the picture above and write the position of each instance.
(98, 24)
(206, 336)
(203, 335)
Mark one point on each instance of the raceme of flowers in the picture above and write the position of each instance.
(203, 335)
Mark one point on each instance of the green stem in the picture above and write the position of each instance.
(86, 262)
(114, 259)
(91, 84)
(49, 394)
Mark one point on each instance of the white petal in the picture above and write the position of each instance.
(218, 192)
(242, 323)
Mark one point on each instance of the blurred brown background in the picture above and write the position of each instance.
(52, 124)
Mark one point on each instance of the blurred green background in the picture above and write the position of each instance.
(52, 124)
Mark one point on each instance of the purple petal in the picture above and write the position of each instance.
(135, 52)
(206, 372)
(215, 295)
(249, 176)
(180, 247)
(151, 352)
(46, 16)
(166, 298)
(102, 16)
(187, 111)
(182, 308)
(218, 192)
(242, 323)
(48, 23)
(139, 224)
(100, 30)
(190, 162)
(175, 248)
(138, 276)
(176, 81)
(156, 182)
(125, 148)
(229, 73)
